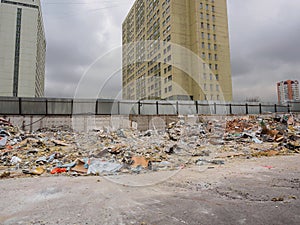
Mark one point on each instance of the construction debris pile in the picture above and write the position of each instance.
(60, 150)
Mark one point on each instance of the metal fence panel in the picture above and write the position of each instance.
(129, 108)
(59, 107)
(33, 106)
(187, 108)
(268, 108)
(282, 109)
(253, 108)
(238, 109)
(107, 107)
(148, 108)
(295, 106)
(9, 106)
(205, 108)
(84, 106)
(167, 107)
(222, 109)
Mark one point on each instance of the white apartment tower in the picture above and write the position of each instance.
(22, 49)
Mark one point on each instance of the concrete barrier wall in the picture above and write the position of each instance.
(85, 123)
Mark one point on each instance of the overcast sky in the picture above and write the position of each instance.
(264, 40)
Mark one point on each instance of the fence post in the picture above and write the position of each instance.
(96, 108)
(215, 108)
(139, 107)
(230, 109)
(260, 108)
(72, 105)
(157, 111)
(289, 109)
(177, 108)
(46, 107)
(118, 107)
(275, 108)
(20, 106)
(247, 109)
(197, 107)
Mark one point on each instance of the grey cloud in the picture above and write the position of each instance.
(263, 38)
(264, 46)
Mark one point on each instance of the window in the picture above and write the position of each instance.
(170, 88)
(169, 67)
(170, 78)
(217, 87)
(213, 18)
(208, 46)
(208, 26)
(203, 55)
(201, 5)
(216, 66)
(211, 87)
(203, 45)
(202, 25)
(202, 35)
(217, 77)
(204, 87)
(201, 15)
(213, 8)
(215, 47)
(215, 37)
(210, 76)
(214, 27)
(166, 90)
(209, 56)
(169, 38)
(216, 57)
(169, 48)
(208, 36)
(204, 76)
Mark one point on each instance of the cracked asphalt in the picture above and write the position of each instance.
(243, 191)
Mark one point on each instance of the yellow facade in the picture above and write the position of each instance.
(177, 50)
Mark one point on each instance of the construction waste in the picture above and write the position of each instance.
(205, 142)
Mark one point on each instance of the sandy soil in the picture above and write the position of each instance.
(253, 191)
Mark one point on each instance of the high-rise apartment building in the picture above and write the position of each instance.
(22, 48)
(177, 50)
(288, 91)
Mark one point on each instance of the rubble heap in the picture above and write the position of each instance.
(60, 150)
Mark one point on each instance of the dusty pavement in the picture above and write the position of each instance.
(253, 191)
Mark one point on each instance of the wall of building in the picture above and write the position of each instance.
(22, 53)
(288, 91)
(184, 37)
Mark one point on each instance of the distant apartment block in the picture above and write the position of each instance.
(288, 91)
(150, 69)
(22, 49)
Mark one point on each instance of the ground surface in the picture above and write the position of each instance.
(253, 191)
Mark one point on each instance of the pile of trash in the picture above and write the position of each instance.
(61, 150)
